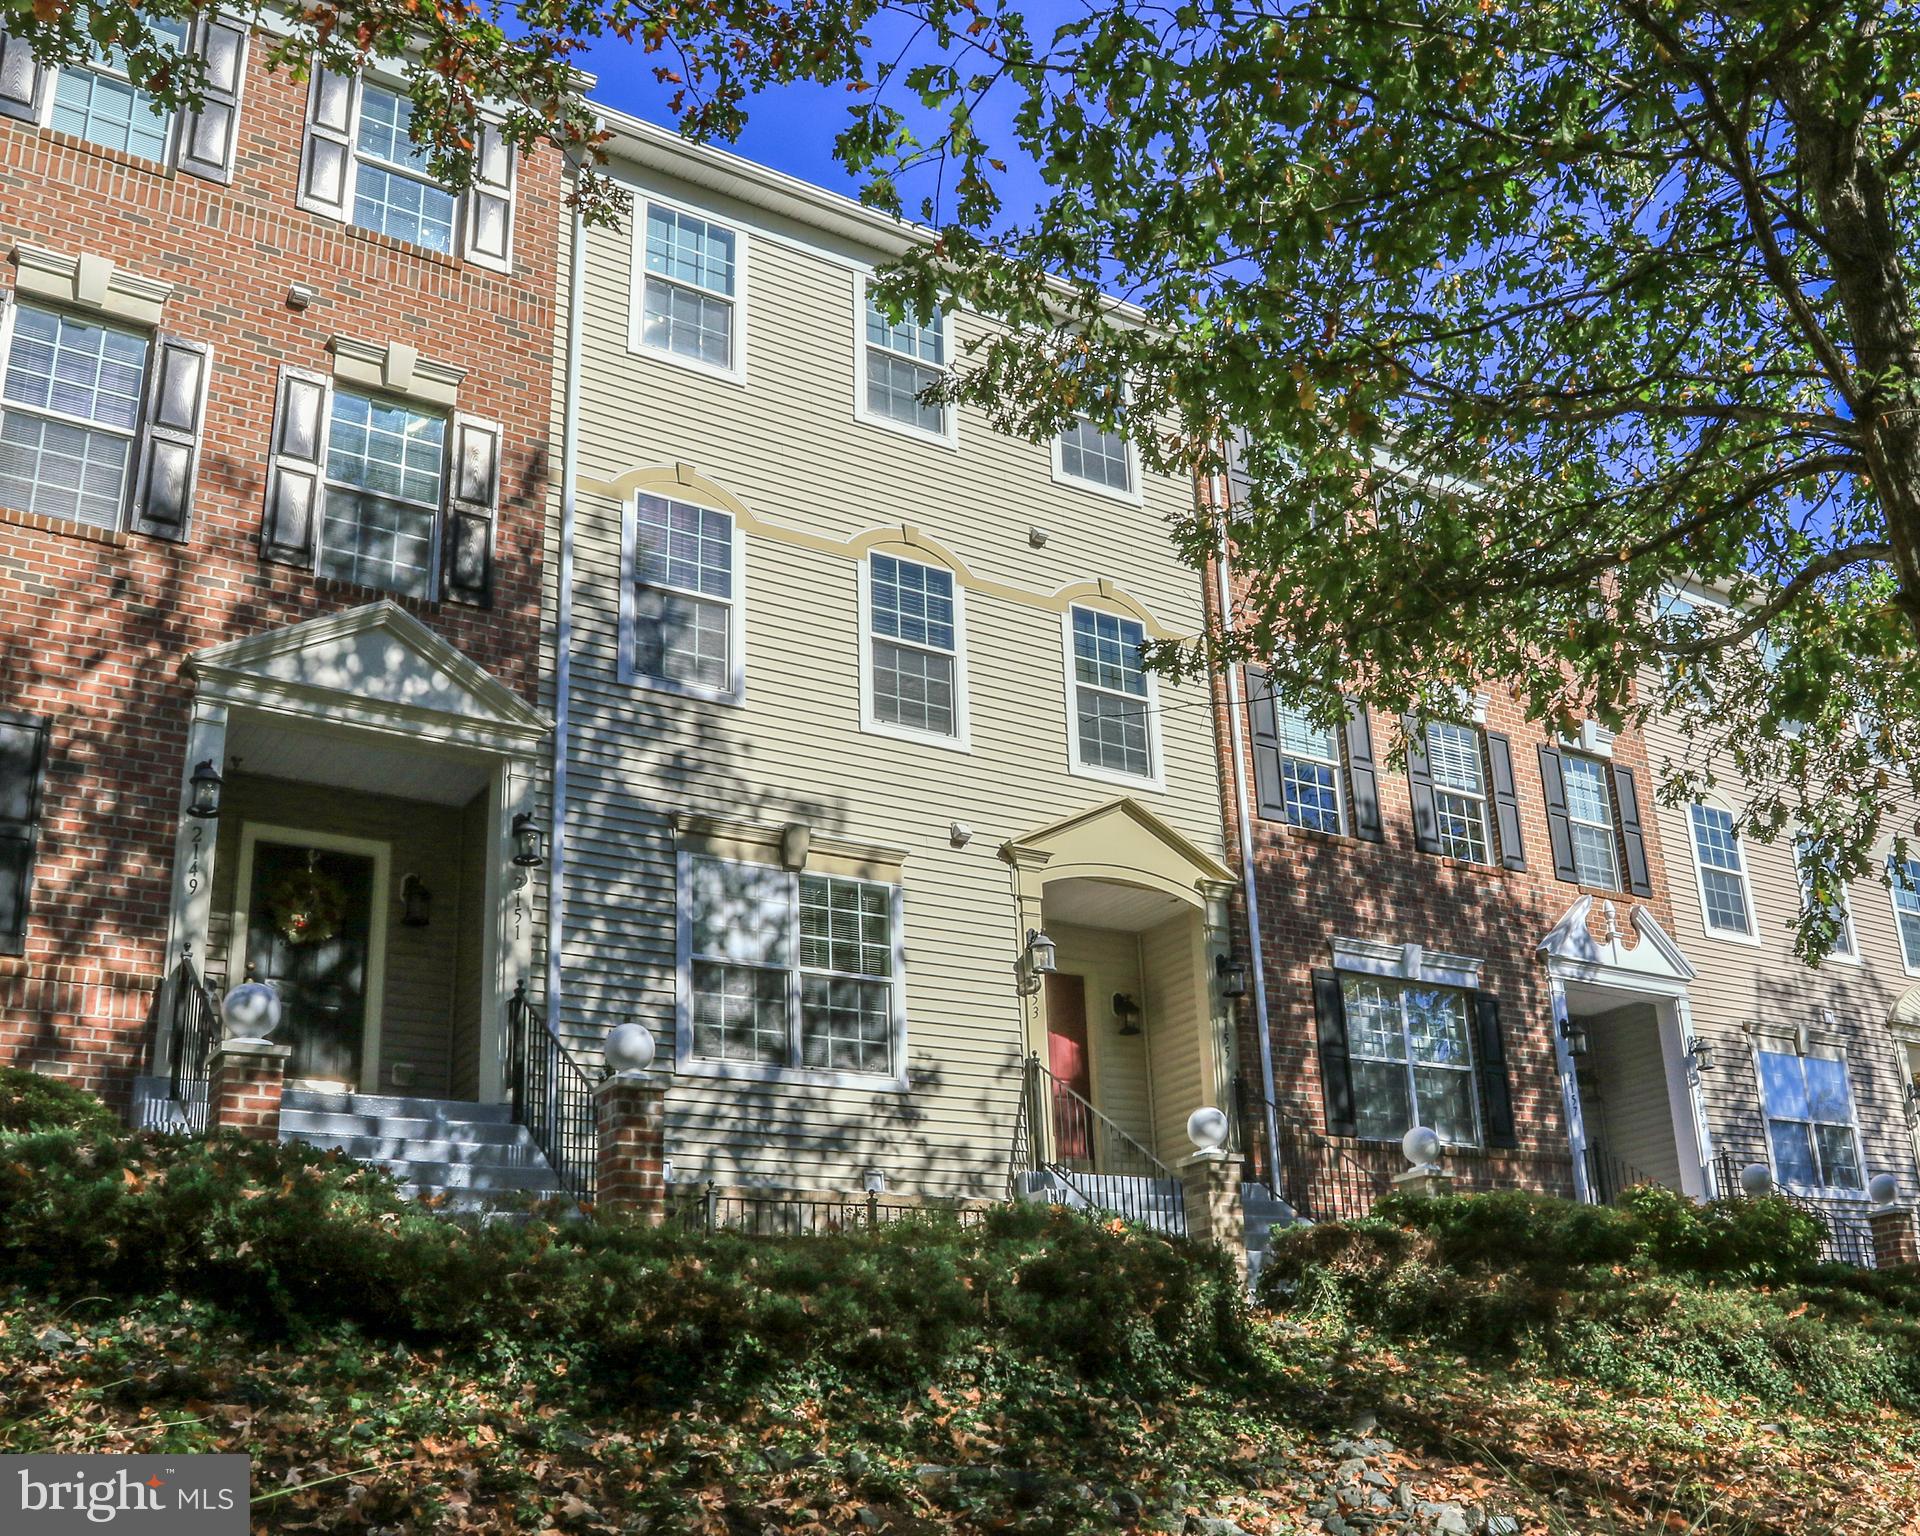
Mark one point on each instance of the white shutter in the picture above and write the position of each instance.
(472, 494)
(24, 80)
(489, 236)
(170, 439)
(326, 165)
(208, 137)
(296, 492)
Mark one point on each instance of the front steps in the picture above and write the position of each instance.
(1156, 1203)
(472, 1156)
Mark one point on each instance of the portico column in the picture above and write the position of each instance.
(190, 902)
(510, 895)
(1570, 1089)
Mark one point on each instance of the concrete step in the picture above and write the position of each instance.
(426, 1174)
(516, 1153)
(395, 1105)
(313, 1125)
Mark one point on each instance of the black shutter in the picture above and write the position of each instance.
(1490, 1047)
(1336, 1071)
(208, 136)
(23, 765)
(22, 79)
(1631, 833)
(1267, 792)
(170, 443)
(295, 489)
(1559, 832)
(471, 498)
(1506, 803)
(1363, 779)
(1239, 487)
(1426, 819)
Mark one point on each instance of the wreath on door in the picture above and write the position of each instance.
(306, 906)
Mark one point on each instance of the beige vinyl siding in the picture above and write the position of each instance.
(1843, 1004)
(1633, 1123)
(786, 443)
(1177, 1006)
(1109, 960)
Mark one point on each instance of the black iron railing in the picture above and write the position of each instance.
(552, 1096)
(1609, 1177)
(799, 1213)
(183, 1024)
(1072, 1153)
(1848, 1232)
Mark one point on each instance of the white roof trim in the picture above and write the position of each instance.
(1654, 964)
(1407, 962)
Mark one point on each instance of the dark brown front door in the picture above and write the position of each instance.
(321, 974)
(1067, 1061)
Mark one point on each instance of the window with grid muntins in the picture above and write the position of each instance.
(392, 192)
(1838, 909)
(1110, 693)
(1309, 771)
(1723, 880)
(1906, 906)
(687, 298)
(1411, 1055)
(791, 971)
(903, 361)
(1809, 1109)
(386, 466)
(98, 102)
(683, 593)
(1459, 791)
(1590, 820)
(69, 408)
(1089, 453)
(915, 645)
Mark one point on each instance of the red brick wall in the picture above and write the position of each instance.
(1313, 887)
(93, 628)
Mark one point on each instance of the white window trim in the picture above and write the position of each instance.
(51, 89)
(328, 486)
(1780, 1047)
(1400, 987)
(629, 674)
(1155, 781)
(1134, 496)
(355, 155)
(1751, 937)
(1611, 828)
(1836, 957)
(949, 436)
(1489, 822)
(962, 739)
(689, 1064)
(736, 373)
(1342, 783)
(1893, 904)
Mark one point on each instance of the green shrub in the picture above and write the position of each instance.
(30, 1102)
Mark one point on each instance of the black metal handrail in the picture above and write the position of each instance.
(1848, 1233)
(184, 1022)
(800, 1213)
(1317, 1177)
(1609, 1177)
(1096, 1163)
(552, 1095)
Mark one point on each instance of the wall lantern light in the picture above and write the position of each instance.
(203, 800)
(526, 841)
(416, 902)
(1575, 1034)
(1038, 960)
(1127, 1011)
(1701, 1055)
(1232, 973)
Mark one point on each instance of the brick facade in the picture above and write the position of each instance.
(94, 625)
(1314, 886)
(245, 1082)
(632, 1171)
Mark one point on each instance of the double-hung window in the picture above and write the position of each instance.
(684, 602)
(689, 282)
(386, 470)
(1809, 1110)
(790, 971)
(1310, 770)
(1111, 708)
(1092, 455)
(1839, 905)
(1906, 910)
(23, 757)
(914, 665)
(98, 101)
(1458, 770)
(1410, 1051)
(69, 416)
(392, 192)
(1722, 871)
(1590, 827)
(903, 361)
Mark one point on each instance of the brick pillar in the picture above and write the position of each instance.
(631, 1110)
(1210, 1182)
(1432, 1182)
(1896, 1239)
(244, 1079)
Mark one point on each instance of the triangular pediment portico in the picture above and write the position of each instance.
(1120, 841)
(375, 667)
(1654, 964)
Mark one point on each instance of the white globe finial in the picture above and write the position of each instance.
(629, 1049)
(1883, 1189)
(1756, 1179)
(1421, 1146)
(250, 1011)
(1207, 1128)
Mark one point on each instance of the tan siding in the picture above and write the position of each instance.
(788, 445)
(1110, 963)
(1176, 1006)
(1633, 1119)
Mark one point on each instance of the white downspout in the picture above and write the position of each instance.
(1237, 741)
(563, 625)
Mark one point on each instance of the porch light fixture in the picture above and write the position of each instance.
(203, 799)
(526, 841)
(416, 902)
(1700, 1054)
(1036, 962)
(1232, 972)
(1127, 1011)
(1575, 1034)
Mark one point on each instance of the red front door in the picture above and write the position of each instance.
(1067, 1061)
